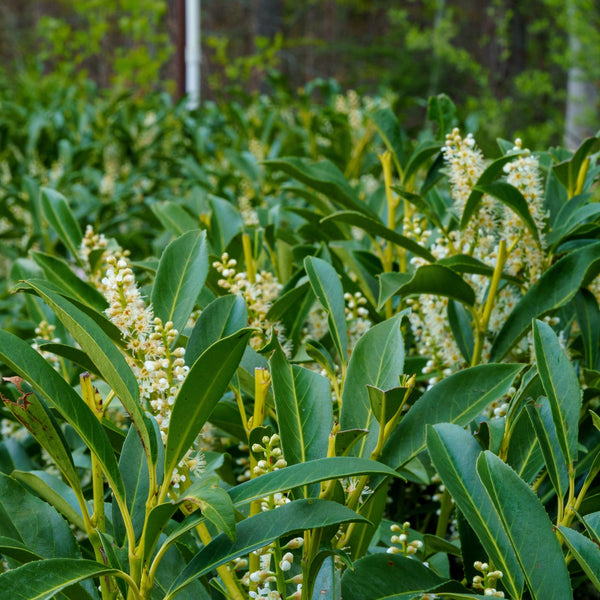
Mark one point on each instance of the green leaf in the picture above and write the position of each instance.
(47, 383)
(302, 474)
(528, 528)
(226, 223)
(203, 387)
(324, 177)
(328, 289)
(588, 318)
(441, 110)
(304, 410)
(585, 552)
(540, 415)
(457, 399)
(109, 361)
(460, 323)
(214, 502)
(385, 404)
(58, 271)
(375, 227)
(55, 492)
(555, 288)
(45, 578)
(428, 279)
(454, 453)
(33, 522)
(17, 550)
(491, 173)
(221, 318)
(61, 219)
(174, 218)
(561, 386)
(377, 360)
(392, 135)
(75, 355)
(422, 153)
(383, 575)
(260, 530)
(34, 415)
(510, 196)
(180, 277)
(567, 171)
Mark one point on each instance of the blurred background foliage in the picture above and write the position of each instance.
(505, 63)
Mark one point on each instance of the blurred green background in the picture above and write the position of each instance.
(527, 68)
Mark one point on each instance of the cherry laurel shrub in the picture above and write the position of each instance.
(367, 367)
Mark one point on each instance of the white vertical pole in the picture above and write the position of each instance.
(193, 52)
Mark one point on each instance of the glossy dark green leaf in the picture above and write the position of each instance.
(174, 218)
(225, 223)
(106, 356)
(457, 399)
(324, 177)
(385, 404)
(561, 385)
(33, 522)
(524, 454)
(58, 271)
(46, 382)
(304, 410)
(555, 288)
(585, 552)
(328, 289)
(75, 355)
(221, 318)
(12, 548)
(302, 474)
(491, 173)
(528, 528)
(511, 197)
(588, 318)
(540, 415)
(442, 111)
(260, 530)
(461, 326)
(392, 135)
(454, 453)
(428, 279)
(45, 578)
(377, 360)
(203, 387)
(60, 218)
(376, 228)
(383, 575)
(180, 277)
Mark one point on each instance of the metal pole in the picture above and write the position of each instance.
(193, 52)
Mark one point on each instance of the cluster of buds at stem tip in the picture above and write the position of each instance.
(400, 542)
(487, 580)
(273, 456)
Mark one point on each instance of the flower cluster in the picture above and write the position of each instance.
(487, 580)
(45, 333)
(400, 543)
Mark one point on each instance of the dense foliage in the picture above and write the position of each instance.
(283, 349)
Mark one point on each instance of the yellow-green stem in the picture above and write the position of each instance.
(489, 305)
(249, 258)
